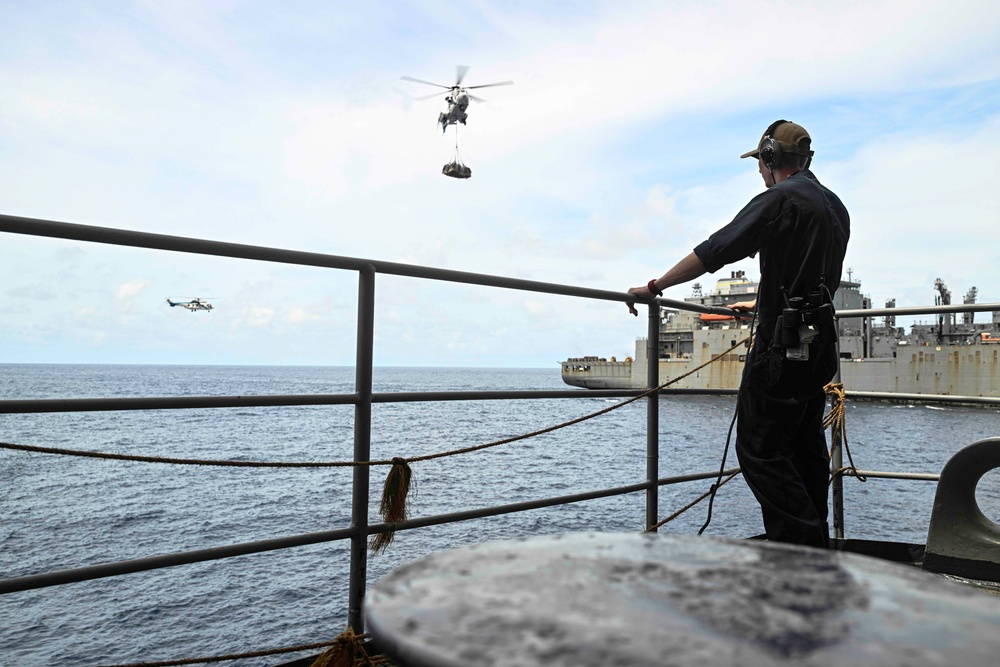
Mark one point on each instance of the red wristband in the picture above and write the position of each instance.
(651, 286)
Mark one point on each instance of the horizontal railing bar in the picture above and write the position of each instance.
(921, 310)
(290, 400)
(44, 405)
(921, 398)
(695, 476)
(541, 503)
(677, 391)
(928, 477)
(170, 403)
(285, 400)
(123, 237)
(494, 395)
(35, 581)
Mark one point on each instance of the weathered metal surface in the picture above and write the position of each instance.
(605, 599)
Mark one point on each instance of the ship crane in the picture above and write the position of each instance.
(890, 320)
(944, 298)
(947, 320)
(969, 318)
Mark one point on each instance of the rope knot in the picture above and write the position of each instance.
(836, 421)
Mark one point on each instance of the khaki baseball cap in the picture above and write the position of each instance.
(786, 133)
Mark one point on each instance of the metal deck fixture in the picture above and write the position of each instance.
(599, 599)
(961, 540)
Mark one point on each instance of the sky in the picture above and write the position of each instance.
(615, 152)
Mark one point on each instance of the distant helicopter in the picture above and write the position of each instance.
(458, 97)
(193, 305)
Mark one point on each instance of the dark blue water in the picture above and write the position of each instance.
(66, 512)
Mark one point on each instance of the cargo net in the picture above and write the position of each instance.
(456, 168)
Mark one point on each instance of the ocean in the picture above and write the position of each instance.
(65, 512)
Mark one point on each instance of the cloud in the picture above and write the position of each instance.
(917, 215)
(534, 308)
(300, 315)
(254, 317)
(125, 300)
(612, 155)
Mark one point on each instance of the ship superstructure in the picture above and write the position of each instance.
(954, 355)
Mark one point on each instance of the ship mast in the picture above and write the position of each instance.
(946, 320)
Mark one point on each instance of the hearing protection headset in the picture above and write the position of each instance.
(771, 152)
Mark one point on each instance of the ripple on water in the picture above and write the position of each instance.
(61, 513)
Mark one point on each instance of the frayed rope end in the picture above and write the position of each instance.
(393, 506)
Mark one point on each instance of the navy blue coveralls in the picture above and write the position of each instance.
(801, 230)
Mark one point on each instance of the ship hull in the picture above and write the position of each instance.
(942, 370)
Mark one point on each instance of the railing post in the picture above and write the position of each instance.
(653, 415)
(837, 457)
(362, 447)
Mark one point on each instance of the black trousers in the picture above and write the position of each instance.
(783, 454)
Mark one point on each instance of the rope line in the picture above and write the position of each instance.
(233, 656)
(346, 649)
(176, 461)
(394, 504)
(349, 644)
(331, 464)
(691, 504)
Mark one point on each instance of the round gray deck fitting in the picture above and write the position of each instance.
(645, 600)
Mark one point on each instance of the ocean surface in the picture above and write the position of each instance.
(64, 512)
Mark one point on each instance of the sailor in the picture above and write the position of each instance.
(801, 230)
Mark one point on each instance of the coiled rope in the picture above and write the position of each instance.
(837, 419)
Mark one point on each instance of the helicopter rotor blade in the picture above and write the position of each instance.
(427, 97)
(490, 85)
(475, 99)
(410, 78)
(460, 72)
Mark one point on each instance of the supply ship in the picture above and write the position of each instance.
(953, 356)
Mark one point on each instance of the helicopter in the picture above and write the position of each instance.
(457, 97)
(193, 305)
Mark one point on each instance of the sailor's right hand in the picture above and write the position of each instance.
(744, 306)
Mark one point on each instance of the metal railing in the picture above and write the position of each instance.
(837, 447)
(363, 398)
